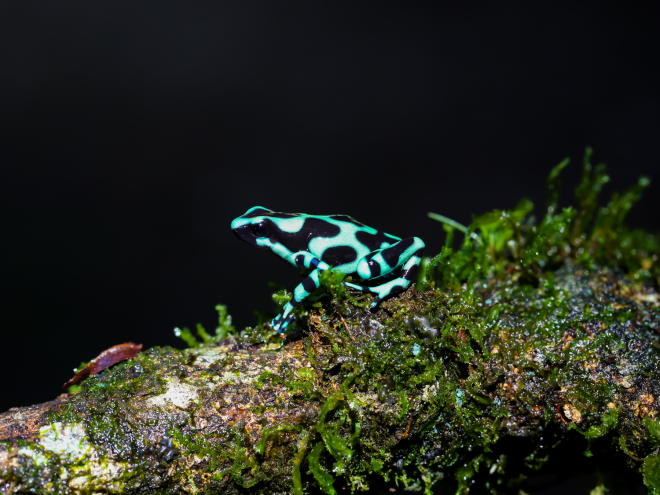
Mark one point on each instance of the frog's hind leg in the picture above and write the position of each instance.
(407, 253)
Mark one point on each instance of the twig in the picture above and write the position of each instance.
(346, 325)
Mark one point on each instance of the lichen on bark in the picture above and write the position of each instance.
(527, 336)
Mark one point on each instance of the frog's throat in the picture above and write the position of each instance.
(275, 247)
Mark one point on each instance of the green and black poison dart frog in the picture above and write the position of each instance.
(318, 242)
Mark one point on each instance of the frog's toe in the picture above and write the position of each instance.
(361, 288)
(279, 324)
(353, 286)
(285, 323)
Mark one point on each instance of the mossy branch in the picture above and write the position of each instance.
(545, 332)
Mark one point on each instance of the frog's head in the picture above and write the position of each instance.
(272, 230)
(253, 225)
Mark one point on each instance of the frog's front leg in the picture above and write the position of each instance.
(301, 259)
(406, 253)
(304, 289)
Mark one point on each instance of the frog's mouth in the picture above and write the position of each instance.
(244, 233)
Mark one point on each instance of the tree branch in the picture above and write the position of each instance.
(424, 389)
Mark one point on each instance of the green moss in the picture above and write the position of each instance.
(185, 335)
(653, 426)
(652, 473)
(297, 461)
(338, 446)
(270, 434)
(222, 331)
(324, 479)
(281, 297)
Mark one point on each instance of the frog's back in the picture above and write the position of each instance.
(344, 218)
(360, 234)
(318, 233)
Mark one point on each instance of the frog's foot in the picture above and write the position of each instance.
(361, 288)
(368, 290)
(280, 324)
(281, 321)
(391, 288)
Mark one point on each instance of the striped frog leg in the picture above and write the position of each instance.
(406, 253)
(302, 259)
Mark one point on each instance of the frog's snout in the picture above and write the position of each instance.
(245, 233)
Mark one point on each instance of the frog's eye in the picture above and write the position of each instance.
(260, 229)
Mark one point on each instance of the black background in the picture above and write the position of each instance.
(133, 132)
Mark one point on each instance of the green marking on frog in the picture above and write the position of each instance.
(320, 242)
